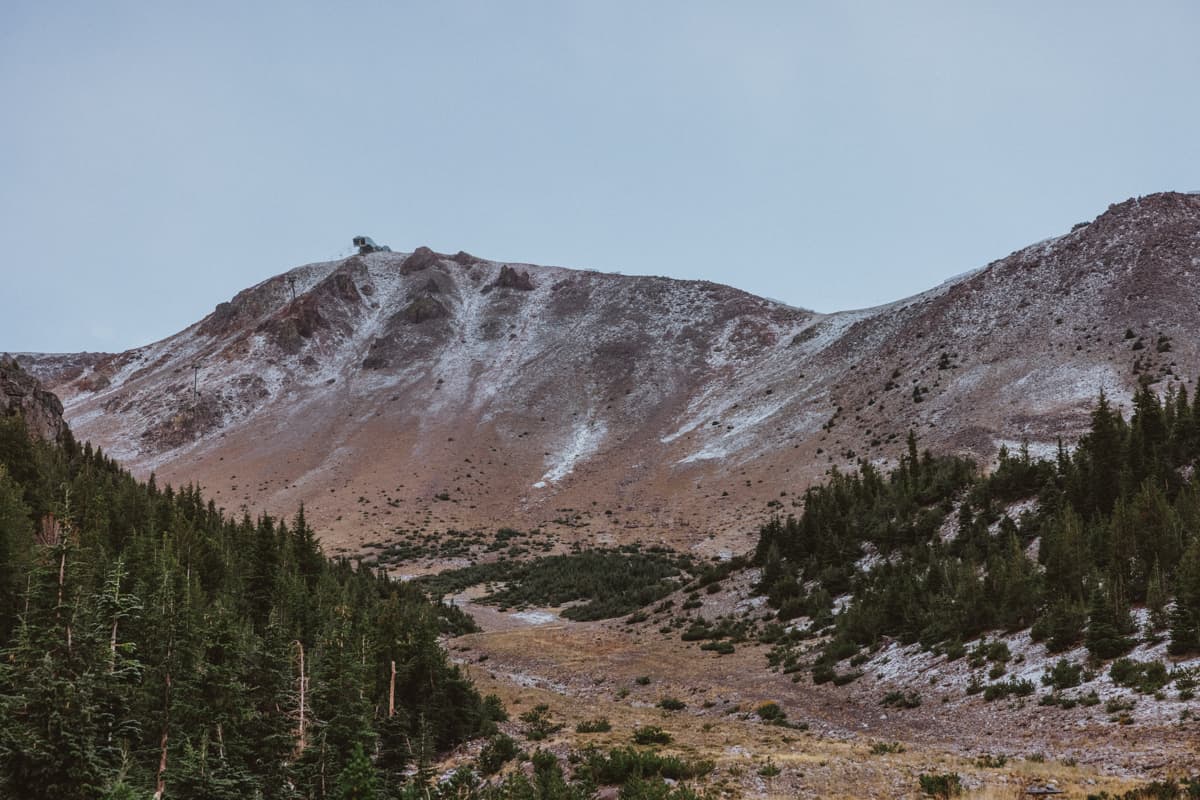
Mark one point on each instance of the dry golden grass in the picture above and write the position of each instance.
(813, 766)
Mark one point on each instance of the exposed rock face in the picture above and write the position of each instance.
(21, 393)
(511, 279)
(423, 309)
(421, 259)
(465, 259)
(682, 407)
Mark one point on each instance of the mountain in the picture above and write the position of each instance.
(421, 392)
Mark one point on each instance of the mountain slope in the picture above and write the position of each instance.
(610, 407)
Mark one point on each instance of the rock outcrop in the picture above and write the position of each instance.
(22, 394)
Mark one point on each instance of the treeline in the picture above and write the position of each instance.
(153, 646)
(929, 553)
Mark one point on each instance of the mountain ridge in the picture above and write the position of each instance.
(543, 396)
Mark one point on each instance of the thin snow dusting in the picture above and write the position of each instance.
(585, 439)
(911, 666)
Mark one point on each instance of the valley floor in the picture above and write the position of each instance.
(591, 670)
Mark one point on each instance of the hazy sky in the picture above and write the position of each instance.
(157, 157)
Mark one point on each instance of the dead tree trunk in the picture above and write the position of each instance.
(392, 693)
(301, 733)
(160, 781)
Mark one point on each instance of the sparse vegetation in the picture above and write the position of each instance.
(908, 699)
(538, 723)
(499, 750)
(771, 712)
(940, 785)
(1146, 677)
(621, 765)
(599, 725)
(1063, 675)
(1019, 688)
(651, 734)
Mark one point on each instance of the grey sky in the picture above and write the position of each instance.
(157, 157)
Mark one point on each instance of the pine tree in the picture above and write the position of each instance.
(357, 780)
(1185, 617)
(1106, 624)
(15, 530)
(1156, 598)
(1103, 447)
(1064, 555)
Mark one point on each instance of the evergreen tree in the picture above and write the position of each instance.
(1108, 620)
(357, 780)
(1156, 598)
(1185, 617)
(1103, 451)
(15, 530)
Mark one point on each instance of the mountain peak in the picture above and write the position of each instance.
(454, 391)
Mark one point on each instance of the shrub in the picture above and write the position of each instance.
(996, 651)
(498, 750)
(623, 764)
(842, 678)
(1117, 705)
(671, 704)
(1146, 677)
(1063, 675)
(823, 673)
(943, 786)
(651, 734)
(771, 712)
(954, 650)
(538, 725)
(600, 725)
(909, 699)
(995, 691)
(886, 748)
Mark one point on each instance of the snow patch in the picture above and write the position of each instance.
(583, 442)
(537, 617)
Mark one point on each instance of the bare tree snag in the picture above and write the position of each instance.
(160, 780)
(301, 741)
(392, 693)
